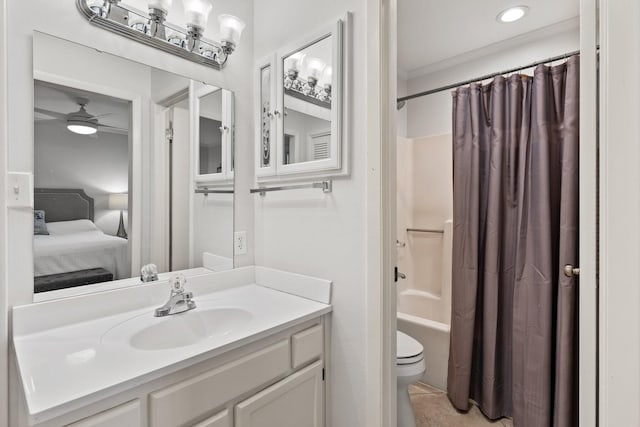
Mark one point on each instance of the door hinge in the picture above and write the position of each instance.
(169, 134)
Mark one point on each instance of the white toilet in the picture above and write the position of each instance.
(410, 367)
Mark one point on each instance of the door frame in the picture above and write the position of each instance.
(619, 209)
(381, 84)
(588, 205)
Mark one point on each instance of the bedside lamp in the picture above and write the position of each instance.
(119, 202)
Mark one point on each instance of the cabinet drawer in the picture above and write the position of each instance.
(179, 404)
(295, 401)
(127, 414)
(306, 346)
(223, 419)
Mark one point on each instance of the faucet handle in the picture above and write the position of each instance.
(149, 273)
(177, 283)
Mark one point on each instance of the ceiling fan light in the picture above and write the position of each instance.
(82, 128)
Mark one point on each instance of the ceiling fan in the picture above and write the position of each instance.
(81, 122)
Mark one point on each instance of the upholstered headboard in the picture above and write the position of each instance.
(63, 204)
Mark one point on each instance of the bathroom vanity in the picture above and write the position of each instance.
(252, 353)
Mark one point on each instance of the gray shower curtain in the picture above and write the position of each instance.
(514, 316)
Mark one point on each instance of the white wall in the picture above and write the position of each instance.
(431, 115)
(325, 235)
(99, 165)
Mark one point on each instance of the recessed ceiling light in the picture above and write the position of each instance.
(512, 14)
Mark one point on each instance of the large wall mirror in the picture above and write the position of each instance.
(132, 165)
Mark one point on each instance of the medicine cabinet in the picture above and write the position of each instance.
(299, 104)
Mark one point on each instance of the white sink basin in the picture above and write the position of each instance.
(147, 332)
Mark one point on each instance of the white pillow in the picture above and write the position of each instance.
(68, 227)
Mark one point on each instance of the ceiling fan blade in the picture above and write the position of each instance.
(50, 113)
(102, 115)
(112, 129)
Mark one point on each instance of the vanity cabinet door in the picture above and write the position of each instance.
(127, 414)
(182, 403)
(296, 401)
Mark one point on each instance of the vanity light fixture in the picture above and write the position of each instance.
(512, 14)
(153, 29)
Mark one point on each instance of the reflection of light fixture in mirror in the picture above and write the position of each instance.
(294, 64)
(158, 10)
(327, 77)
(315, 66)
(197, 14)
(129, 22)
(119, 201)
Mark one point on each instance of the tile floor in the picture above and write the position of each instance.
(433, 409)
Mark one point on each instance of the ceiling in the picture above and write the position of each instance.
(430, 31)
(62, 99)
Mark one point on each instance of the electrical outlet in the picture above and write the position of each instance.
(240, 242)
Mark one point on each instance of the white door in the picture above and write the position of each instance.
(296, 401)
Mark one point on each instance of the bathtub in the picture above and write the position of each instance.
(424, 299)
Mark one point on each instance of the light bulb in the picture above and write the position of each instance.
(163, 5)
(230, 29)
(197, 12)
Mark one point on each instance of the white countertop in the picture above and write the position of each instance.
(73, 363)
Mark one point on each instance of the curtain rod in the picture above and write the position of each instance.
(488, 76)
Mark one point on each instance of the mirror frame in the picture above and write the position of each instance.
(333, 162)
(227, 119)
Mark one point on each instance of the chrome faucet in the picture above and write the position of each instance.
(149, 273)
(179, 300)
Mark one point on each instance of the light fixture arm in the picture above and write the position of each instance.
(157, 28)
(116, 13)
(114, 17)
(193, 38)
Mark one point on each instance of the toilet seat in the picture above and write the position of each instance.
(409, 350)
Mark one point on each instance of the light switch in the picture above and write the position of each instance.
(20, 190)
(240, 242)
